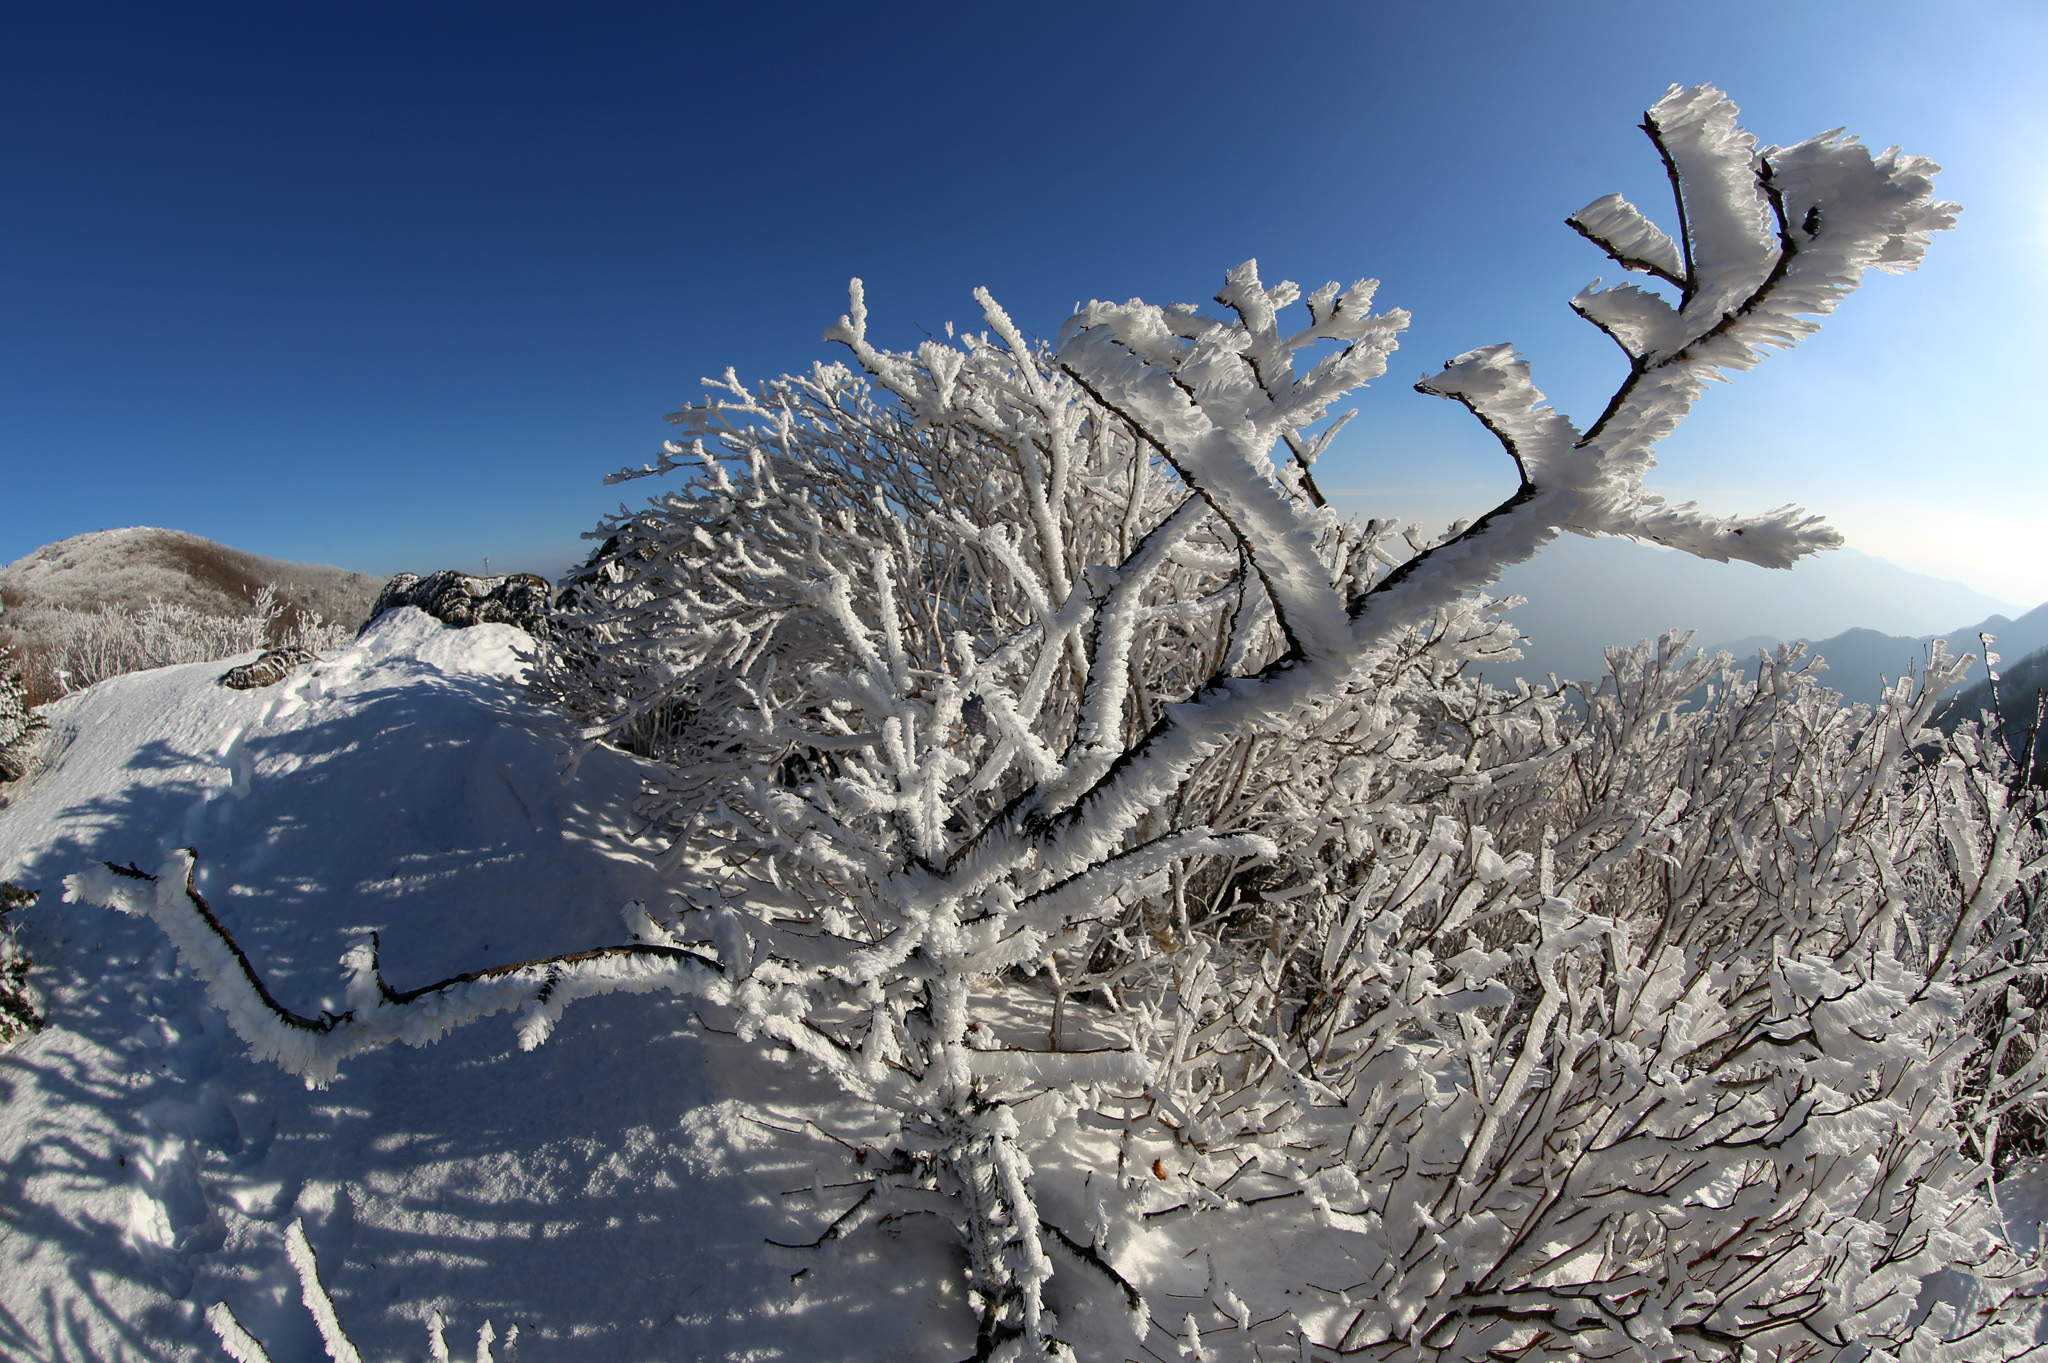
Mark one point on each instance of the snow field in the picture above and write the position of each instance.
(610, 1193)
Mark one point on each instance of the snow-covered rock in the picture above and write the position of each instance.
(463, 599)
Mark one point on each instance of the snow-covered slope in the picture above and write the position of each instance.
(609, 1193)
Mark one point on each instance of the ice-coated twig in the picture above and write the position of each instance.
(314, 1293)
(240, 1344)
(378, 1015)
(244, 1348)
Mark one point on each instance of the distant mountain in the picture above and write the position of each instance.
(132, 566)
(1861, 660)
(1585, 595)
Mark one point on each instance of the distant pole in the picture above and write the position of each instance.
(487, 565)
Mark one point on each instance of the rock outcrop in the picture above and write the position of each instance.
(270, 669)
(463, 599)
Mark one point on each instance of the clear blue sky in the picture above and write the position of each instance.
(394, 286)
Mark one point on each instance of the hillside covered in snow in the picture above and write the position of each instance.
(637, 1188)
(135, 564)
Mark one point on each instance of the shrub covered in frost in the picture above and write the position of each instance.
(20, 1004)
(1524, 1024)
(66, 650)
(18, 722)
(2011, 701)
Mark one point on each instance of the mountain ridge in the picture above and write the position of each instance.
(1860, 661)
(1584, 596)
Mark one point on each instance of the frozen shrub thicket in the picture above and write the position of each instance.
(73, 649)
(997, 680)
(19, 723)
(20, 1006)
(2012, 702)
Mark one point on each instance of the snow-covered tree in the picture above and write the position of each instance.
(18, 722)
(994, 669)
(20, 1003)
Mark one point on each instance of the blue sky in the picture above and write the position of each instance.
(395, 286)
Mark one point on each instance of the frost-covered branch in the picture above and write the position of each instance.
(243, 1347)
(1770, 240)
(378, 1015)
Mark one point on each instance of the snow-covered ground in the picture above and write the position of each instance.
(610, 1193)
